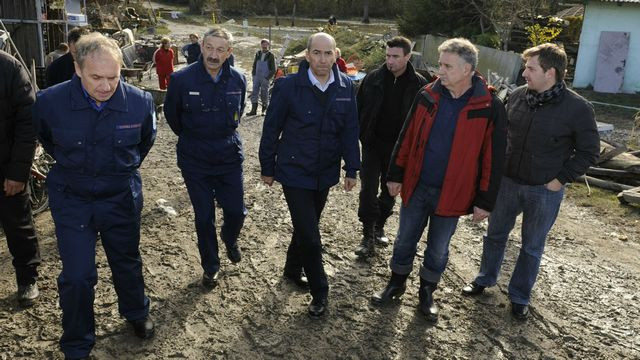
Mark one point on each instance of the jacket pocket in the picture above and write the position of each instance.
(126, 152)
(70, 148)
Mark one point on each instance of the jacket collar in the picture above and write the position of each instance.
(117, 102)
(303, 77)
(204, 76)
(481, 92)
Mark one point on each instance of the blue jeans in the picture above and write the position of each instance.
(414, 217)
(539, 207)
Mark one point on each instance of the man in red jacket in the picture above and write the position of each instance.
(447, 162)
(163, 58)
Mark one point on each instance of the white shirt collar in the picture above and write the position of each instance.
(315, 82)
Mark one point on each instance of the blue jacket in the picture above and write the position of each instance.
(191, 52)
(205, 115)
(97, 153)
(302, 140)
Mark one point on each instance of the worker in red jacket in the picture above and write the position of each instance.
(163, 58)
(342, 65)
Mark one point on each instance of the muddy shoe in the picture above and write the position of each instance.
(472, 289)
(233, 253)
(254, 109)
(210, 280)
(427, 305)
(143, 328)
(366, 248)
(28, 294)
(520, 311)
(318, 306)
(394, 289)
(297, 277)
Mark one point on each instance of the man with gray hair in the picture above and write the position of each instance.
(203, 107)
(447, 162)
(99, 130)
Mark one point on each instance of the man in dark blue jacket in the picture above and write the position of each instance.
(99, 131)
(312, 123)
(203, 106)
(63, 68)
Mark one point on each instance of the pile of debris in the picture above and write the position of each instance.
(617, 169)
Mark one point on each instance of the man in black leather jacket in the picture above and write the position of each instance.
(384, 99)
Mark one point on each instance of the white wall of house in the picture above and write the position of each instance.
(603, 16)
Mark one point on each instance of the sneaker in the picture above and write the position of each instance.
(28, 294)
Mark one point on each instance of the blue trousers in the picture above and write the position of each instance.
(539, 208)
(414, 217)
(204, 190)
(77, 247)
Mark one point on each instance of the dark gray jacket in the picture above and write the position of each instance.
(557, 140)
(17, 135)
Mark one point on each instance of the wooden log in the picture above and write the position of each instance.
(604, 184)
(631, 196)
(612, 173)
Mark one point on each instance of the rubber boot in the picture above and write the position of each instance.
(366, 244)
(427, 305)
(254, 109)
(394, 289)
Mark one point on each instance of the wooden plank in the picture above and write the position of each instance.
(621, 174)
(631, 196)
(609, 151)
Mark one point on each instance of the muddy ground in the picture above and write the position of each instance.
(585, 304)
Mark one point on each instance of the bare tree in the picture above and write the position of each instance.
(505, 15)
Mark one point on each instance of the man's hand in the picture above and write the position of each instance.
(12, 187)
(394, 188)
(479, 214)
(554, 185)
(267, 179)
(349, 183)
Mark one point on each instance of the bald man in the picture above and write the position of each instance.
(311, 125)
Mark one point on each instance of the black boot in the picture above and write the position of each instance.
(264, 109)
(427, 306)
(254, 109)
(381, 238)
(394, 289)
(366, 244)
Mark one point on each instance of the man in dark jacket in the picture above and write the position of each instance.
(192, 51)
(62, 69)
(264, 67)
(203, 107)
(553, 139)
(17, 144)
(311, 124)
(384, 99)
(99, 130)
(447, 162)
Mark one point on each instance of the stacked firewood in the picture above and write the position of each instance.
(617, 169)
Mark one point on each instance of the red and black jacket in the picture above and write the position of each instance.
(476, 160)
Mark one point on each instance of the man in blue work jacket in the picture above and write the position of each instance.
(99, 130)
(311, 123)
(203, 106)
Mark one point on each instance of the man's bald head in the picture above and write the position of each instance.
(318, 36)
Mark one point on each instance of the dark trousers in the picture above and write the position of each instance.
(305, 250)
(17, 222)
(204, 190)
(77, 247)
(375, 164)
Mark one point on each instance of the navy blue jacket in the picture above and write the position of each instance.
(97, 153)
(303, 140)
(205, 116)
